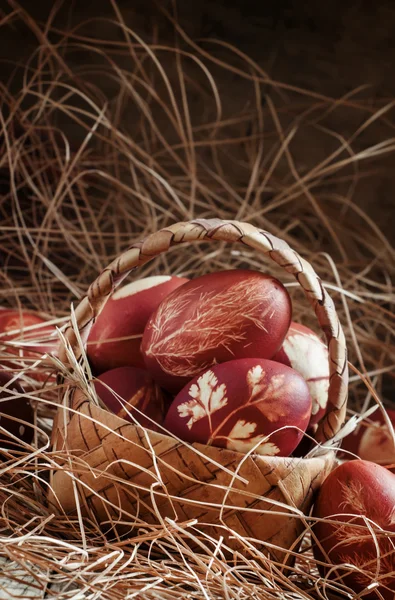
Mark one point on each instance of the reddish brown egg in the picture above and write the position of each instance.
(372, 440)
(115, 338)
(128, 388)
(303, 350)
(16, 414)
(213, 319)
(354, 490)
(240, 405)
(31, 338)
(36, 337)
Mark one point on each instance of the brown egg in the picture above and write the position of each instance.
(128, 388)
(242, 403)
(355, 489)
(372, 440)
(212, 319)
(30, 329)
(303, 350)
(16, 414)
(28, 344)
(115, 338)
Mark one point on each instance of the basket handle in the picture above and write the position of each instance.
(229, 231)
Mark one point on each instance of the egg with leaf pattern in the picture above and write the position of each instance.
(355, 533)
(303, 350)
(243, 405)
(213, 319)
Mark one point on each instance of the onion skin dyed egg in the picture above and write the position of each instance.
(303, 350)
(13, 410)
(14, 323)
(372, 440)
(30, 344)
(240, 403)
(123, 320)
(213, 319)
(352, 489)
(132, 387)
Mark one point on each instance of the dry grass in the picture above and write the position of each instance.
(104, 140)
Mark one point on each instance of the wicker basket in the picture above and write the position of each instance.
(126, 476)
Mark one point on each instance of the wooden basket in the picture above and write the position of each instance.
(126, 476)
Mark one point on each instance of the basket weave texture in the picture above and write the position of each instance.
(126, 476)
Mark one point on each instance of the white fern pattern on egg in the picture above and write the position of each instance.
(264, 394)
(241, 439)
(207, 397)
(269, 393)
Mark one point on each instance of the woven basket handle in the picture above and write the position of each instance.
(229, 231)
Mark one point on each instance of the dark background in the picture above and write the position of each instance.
(333, 48)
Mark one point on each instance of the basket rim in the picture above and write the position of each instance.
(78, 398)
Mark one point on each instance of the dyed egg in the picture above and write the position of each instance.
(303, 350)
(115, 338)
(33, 337)
(358, 488)
(16, 414)
(213, 319)
(372, 440)
(30, 329)
(126, 388)
(241, 405)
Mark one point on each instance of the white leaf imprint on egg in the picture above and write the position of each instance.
(241, 439)
(207, 398)
(354, 497)
(353, 531)
(309, 356)
(268, 394)
(220, 318)
(352, 494)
